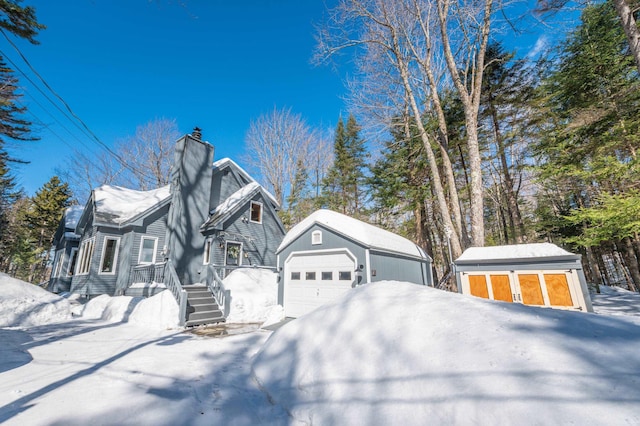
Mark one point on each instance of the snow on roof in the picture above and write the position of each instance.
(118, 204)
(232, 202)
(515, 251)
(228, 161)
(72, 216)
(362, 232)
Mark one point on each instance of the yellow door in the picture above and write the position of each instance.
(558, 290)
(478, 286)
(530, 289)
(501, 288)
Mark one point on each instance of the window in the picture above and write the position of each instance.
(72, 262)
(206, 255)
(344, 275)
(256, 212)
(295, 276)
(86, 253)
(310, 276)
(233, 254)
(148, 246)
(57, 268)
(316, 238)
(109, 255)
(327, 276)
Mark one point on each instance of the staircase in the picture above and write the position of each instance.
(201, 306)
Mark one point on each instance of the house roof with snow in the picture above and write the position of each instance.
(117, 206)
(71, 217)
(364, 233)
(515, 253)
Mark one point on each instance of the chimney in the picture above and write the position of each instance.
(197, 133)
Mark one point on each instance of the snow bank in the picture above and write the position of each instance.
(158, 312)
(26, 305)
(398, 353)
(254, 296)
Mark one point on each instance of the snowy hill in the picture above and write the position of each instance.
(397, 353)
(387, 353)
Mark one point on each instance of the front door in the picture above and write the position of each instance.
(233, 254)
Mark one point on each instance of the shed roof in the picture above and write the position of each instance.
(117, 205)
(364, 233)
(514, 252)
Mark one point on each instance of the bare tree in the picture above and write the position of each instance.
(386, 32)
(141, 161)
(274, 144)
(149, 152)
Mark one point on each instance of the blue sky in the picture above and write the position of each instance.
(213, 64)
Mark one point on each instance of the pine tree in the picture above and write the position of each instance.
(588, 153)
(8, 196)
(47, 208)
(343, 186)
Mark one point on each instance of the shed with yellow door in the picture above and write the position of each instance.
(540, 274)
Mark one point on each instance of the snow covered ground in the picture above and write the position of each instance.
(387, 353)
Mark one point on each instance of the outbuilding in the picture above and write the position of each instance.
(329, 253)
(540, 274)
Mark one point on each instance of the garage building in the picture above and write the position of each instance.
(540, 274)
(329, 253)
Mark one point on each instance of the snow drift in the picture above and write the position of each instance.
(398, 353)
(27, 305)
(254, 294)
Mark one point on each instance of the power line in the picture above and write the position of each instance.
(86, 130)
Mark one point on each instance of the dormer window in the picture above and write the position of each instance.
(316, 238)
(256, 212)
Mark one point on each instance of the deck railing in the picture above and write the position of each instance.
(215, 285)
(172, 282)
(148, 273)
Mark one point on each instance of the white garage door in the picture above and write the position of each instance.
(313, 279)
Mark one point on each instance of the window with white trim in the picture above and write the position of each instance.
(57, 268)
(316, 238)
(206, 256)
(148, 248)
(86, 253)
(73, 258)
(109, 255)
(256, 212)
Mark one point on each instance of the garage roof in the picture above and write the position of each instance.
(514, 252)
(361, 232)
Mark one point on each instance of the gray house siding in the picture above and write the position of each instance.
(224, 183)
(259, 240)
(387, 266)
(153, 226)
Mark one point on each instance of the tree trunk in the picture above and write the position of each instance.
(593, 268)
(630, 28)
(632, 264)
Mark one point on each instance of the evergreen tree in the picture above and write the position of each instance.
(8, 196)
(343, 186)
(43, 217)
(588, 154)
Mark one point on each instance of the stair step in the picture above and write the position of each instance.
(211, 307)
(206, 315)
(203, 322)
